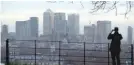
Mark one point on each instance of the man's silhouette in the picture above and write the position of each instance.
(115, 45)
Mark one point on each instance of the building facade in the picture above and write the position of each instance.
(73, 24)
(103, 29)
(130, 35)
(89, 33)
(60, 24)
(22, 29)
(48, 22)
(4, 34)
(33, 23)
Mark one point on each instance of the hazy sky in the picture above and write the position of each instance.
(11, 11)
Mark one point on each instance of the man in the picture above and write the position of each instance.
(115, 45)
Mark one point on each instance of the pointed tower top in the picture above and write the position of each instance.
(48, 10)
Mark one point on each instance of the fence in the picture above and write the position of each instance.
(40, 52)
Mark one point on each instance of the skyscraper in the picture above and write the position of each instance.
(73, 24)
(48, 22)
(103, 29)
(33, 23)
(89, 33)
(60, 23)
(12, 35)
(59, 29)
(4, 33)
(22, 30)
(60, 26)
(59, 16)
(130, 35)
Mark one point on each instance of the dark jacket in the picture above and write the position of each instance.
(116, 41)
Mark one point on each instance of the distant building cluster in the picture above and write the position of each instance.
(27, 29)
(58, 27)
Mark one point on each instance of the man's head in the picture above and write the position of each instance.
(116, 29)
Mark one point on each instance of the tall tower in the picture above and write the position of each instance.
(22, 30)
(89, 33)
(33, 23)
(130, 35)
(103, 29)
(48, 22)
(73, 24)
(59, 16)
(4, 33)
(60, 23)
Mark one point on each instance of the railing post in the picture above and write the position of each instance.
(84, 53)
(132, 54)
(108, 53)
(35, 51)
(59, 51)
(7, 52)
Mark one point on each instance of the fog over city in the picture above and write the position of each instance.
(65, 33)
(12, 11)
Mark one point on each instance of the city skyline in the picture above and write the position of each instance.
(66, 15)
(99, 23)
(65, 33)
(9, 16)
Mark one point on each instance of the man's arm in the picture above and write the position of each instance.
(121, 37)
(110, 36)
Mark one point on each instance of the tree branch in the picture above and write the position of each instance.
(81, 4)
(98, 5)
(102, 5)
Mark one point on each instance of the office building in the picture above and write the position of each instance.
(89, 33)
(23, 30)
(33, 23)
(12, 35)
(130, 35)
(60, 23)
(103, 29)
(4, 34)
(48, 22)
(60, 26)
(73, 24)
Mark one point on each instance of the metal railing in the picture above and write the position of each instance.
(40, 52)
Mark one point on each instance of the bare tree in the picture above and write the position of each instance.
(101, 5)
(106, 5)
